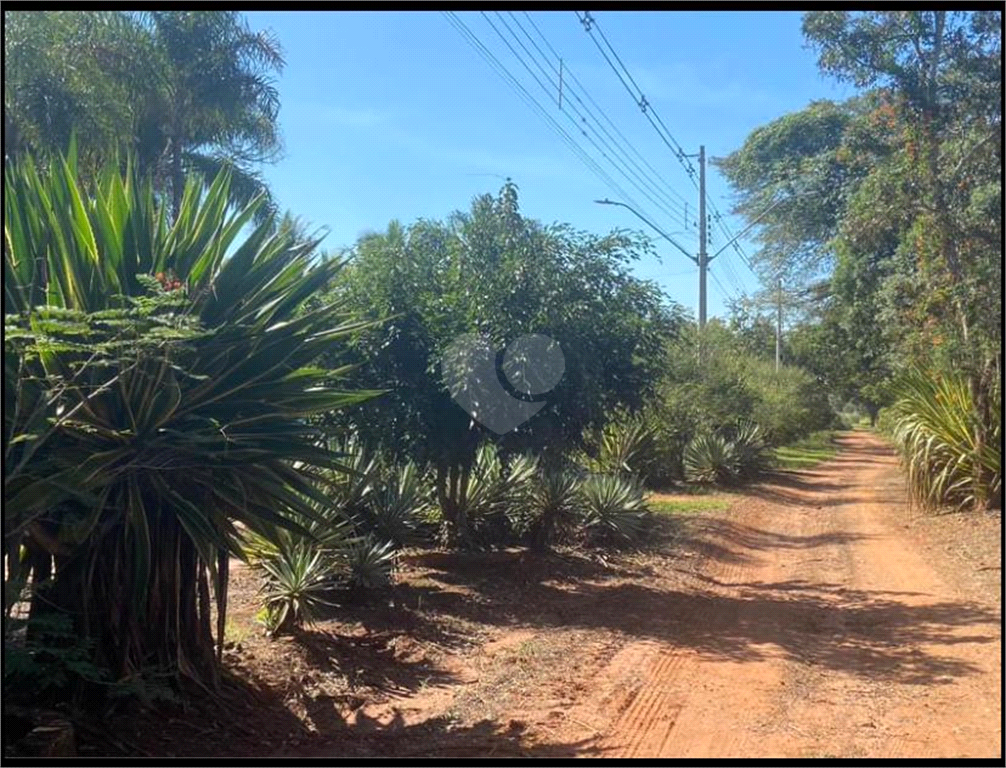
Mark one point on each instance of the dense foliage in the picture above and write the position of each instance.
(158, 375)
(187, 379)
(184, 92)
(493, 273)
(902, 214)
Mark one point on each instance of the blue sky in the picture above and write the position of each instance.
(393, 115)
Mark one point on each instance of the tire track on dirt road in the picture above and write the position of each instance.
(815, 628)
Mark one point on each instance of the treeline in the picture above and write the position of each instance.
(888, 235)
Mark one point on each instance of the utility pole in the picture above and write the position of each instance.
(703, 258)
(778, 323)
(703, 261)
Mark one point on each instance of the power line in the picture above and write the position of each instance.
(732, 275)
(736, 246)
(589, 23)
(670, 191)
(548, 91)
(528, 99)
(723, 290)
(611, 143)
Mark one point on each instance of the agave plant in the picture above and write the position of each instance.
(624, 447)
(368, 562)
(351, 486)
(159, 376)
(614, 508)
(554, 506)
(298, 580)
(710, 459)
(751, 456)
(397, 512)
(492, 500)
(497, 495)
(950, 455)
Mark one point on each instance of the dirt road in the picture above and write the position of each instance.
(821, 630)
(818, 616)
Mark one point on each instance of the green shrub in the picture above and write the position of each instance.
(613, 509)
(298, 577)
(788, 404)
(159, 378)
(624, 447)
(369, 563)
(951, 456)
(398, 509)
(491, 508)
(751, 457)
(710, 460)
(553, 508)
(731, 455)
(42, 655)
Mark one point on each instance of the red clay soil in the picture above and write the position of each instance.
(823, 631)
(820, 616)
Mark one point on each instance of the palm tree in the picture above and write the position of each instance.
(65, 76)
(186, 91)
(207, 100)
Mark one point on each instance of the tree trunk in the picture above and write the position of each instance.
(177, 177)
(223, 580)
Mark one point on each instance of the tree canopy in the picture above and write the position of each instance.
(182, 91)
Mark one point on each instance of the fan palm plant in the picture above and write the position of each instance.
(213, 103)
(751, 457)
(169, 373)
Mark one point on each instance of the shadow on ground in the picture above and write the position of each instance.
(249, 721)
(446, 598)
(874, 634)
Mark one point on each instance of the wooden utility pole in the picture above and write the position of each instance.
(703, 262)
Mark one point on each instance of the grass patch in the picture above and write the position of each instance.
(808, 452)
(687, 506)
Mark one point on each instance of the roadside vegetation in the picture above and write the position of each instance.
(808, 451)
(191, 379)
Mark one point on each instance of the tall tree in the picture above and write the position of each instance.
(210, 102)
(158, 378)
(942, 71)
(494, 273)
(66, 74)
(185, 92)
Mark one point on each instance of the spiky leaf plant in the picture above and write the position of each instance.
(398, 510)
(554, 506)
(751, 456)
(624, 447)
(497, 493)
(369, 563)
(710, 459)
(952, 457)
(298, 580)
(159, 376)
(614, 508)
